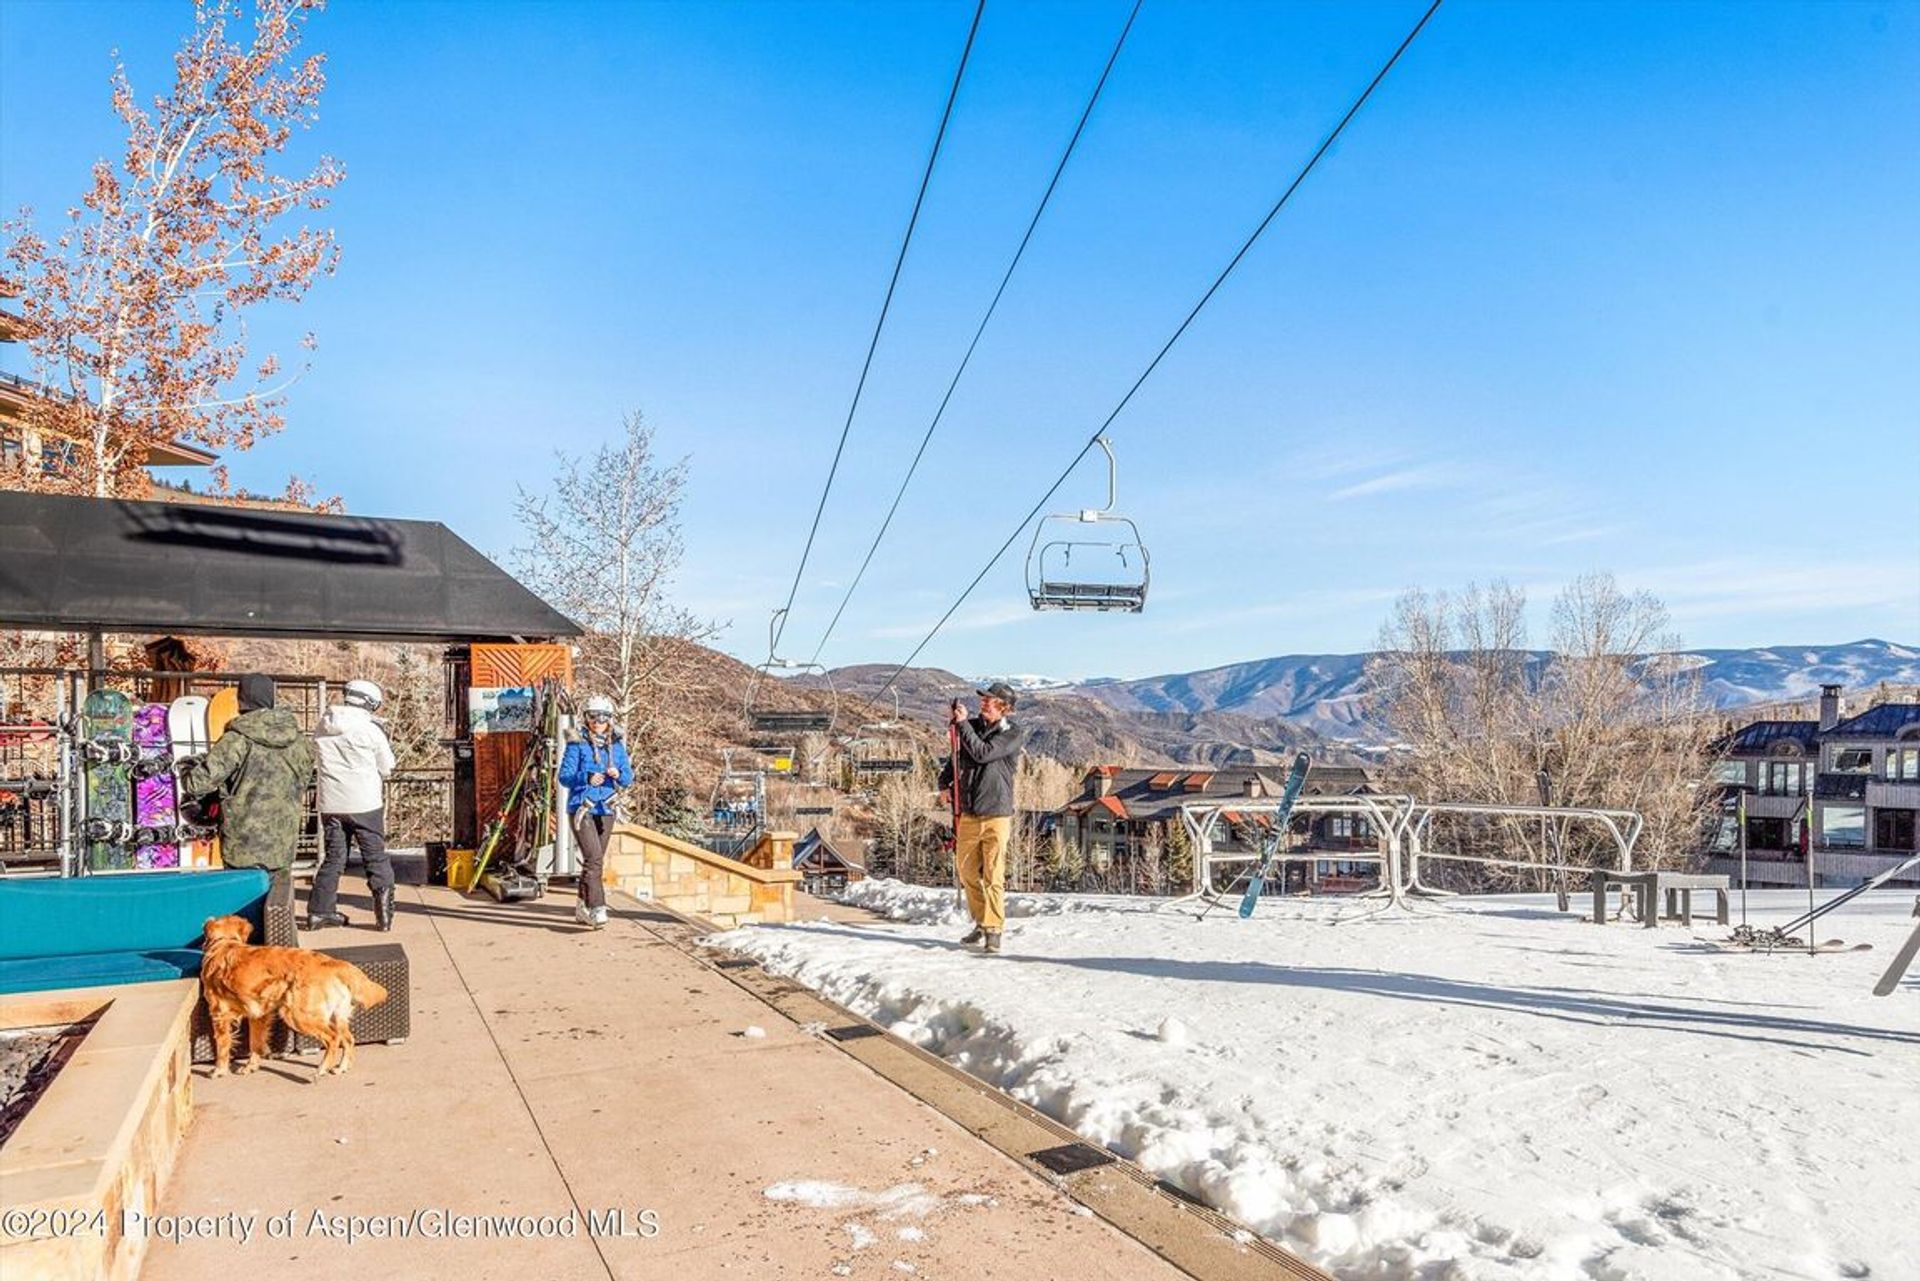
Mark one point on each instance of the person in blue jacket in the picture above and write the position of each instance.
(593, 771)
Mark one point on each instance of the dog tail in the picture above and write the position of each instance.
(366, 992)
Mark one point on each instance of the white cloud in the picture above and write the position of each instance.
(1420, 476)
(1305, 604)
(980, 619)
(1719, 588)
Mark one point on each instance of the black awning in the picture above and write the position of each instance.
(81, 564)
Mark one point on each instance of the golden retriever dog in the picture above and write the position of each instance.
(315, 994)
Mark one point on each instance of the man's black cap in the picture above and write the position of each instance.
(1000, 690)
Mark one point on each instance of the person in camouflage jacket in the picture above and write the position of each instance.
(260, 767)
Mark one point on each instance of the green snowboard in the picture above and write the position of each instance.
(107, 753)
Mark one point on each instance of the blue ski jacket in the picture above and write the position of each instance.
(585, 759)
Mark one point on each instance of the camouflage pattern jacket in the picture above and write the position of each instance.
(260, 767)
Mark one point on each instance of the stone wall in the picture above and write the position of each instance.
(697, 881)
(104, 1136)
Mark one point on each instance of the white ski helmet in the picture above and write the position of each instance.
(599, 707)
(364, 694)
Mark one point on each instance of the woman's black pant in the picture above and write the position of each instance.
(590, 832)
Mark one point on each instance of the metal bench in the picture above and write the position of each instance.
(1649, 888)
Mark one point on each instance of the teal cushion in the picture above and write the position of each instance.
(132, 912)
(41, 974)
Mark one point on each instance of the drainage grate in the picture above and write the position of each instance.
(662, 918)
(1070, 1157)
(737, 963)
(853, 1032)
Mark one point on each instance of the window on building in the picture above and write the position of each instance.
(1844, 826)
(12, 446)
(1903, 764)
(1731, 773)
(58, 456)
(1853, 760)
(1893, 831)
(1768, 834)
(1784, 778)
(1726, 835)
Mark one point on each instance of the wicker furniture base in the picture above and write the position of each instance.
(391, 1021)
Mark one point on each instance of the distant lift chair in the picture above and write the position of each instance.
(1054, 582)
(883, 747)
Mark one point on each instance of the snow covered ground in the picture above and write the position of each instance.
(1489, 1090)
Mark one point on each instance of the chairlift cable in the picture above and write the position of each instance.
(1005, 279)
(1100, 431)
(886, 304)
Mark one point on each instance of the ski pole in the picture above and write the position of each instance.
(953, 795)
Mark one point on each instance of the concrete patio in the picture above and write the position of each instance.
(555, 1072)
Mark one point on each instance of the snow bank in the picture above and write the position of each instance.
(925, 905)
(1487, 1091)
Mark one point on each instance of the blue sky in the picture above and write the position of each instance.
(1586, 286)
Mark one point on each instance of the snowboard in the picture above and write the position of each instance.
(187, 731)
(106, 749)
(1296, 779)
(156, 807)
(221, 709)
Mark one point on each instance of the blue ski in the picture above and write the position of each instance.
(1295, 779)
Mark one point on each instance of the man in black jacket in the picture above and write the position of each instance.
(990, 746)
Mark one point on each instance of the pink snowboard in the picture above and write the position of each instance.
(155, 798)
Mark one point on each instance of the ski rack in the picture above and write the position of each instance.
(1610, 820)
(1389, 814)
(303, 695)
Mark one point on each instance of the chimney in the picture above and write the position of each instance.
(1102, 781)
(1252, 787)
(1829, 707)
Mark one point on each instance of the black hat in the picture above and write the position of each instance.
(1000, 690)
(256, 692)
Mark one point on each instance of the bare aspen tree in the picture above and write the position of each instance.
(1609, 713)
(602, 547)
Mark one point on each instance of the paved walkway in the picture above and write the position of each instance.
(554, 1071)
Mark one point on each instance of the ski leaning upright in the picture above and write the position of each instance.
(1901, 960)
(1296, 778)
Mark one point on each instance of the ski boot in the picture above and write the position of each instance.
(324, 921)
(383, 910)
(991, 944)
(974, 935)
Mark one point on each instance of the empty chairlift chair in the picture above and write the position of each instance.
(1089, 561)
(787, 722)
(883, 747)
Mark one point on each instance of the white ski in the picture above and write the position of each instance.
(1901, 960)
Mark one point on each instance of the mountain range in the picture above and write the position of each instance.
(1257, 712)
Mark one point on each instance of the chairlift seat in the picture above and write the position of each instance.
(791, 722)
(1130, 598)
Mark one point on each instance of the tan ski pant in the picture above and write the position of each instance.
(981, 848)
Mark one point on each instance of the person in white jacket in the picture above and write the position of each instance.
(354, 759)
